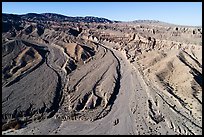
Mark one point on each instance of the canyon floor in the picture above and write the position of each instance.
(137, 78)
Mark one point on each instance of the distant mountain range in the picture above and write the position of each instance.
(53, 17)
(62, 18)
(46, 17)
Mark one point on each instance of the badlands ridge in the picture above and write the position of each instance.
(88, 75)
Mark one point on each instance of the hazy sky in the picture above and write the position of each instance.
(182, 13)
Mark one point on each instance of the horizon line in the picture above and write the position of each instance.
(106, 18)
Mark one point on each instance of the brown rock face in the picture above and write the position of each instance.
(100, 77)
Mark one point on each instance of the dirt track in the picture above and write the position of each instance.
(131, 115)
(100, 78)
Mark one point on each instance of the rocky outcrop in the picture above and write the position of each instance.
(142, 77)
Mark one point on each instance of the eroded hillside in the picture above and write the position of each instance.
(64, 75)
